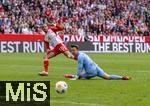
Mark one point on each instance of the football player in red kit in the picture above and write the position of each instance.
(51, 38)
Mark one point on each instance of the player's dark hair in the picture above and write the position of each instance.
(76, 46)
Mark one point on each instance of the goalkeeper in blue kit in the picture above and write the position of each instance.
(88, 69)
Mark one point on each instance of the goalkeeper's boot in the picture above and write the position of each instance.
(126, 78)
(70, 76)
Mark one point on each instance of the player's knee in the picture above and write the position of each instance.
(69, 56)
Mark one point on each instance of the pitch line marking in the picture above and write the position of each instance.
(76, 103)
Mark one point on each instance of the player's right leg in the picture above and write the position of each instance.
(46, 63)
(63, 49)
(104, 75)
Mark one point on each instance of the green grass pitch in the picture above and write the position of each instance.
(94, 92)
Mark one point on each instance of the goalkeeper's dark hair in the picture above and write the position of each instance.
(76, 46)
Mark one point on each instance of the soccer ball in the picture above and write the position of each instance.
(61, 87)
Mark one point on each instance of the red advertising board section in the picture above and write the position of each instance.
(10, 43)
(21, 37)
(76, 38)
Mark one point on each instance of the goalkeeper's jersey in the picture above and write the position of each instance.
(86, 63)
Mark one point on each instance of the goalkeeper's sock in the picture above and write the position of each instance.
(114, 77)
(46, 64)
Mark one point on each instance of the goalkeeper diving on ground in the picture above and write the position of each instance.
(88, 69)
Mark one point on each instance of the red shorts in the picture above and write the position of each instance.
(60, 48)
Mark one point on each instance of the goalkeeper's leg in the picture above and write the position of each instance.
(88, 76)
(104, 75)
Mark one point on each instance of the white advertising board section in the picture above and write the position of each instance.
(94, 44)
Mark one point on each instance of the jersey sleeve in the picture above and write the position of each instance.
(80, 65)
